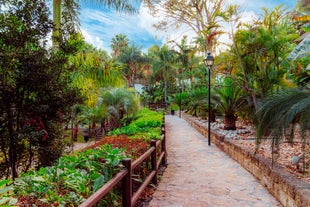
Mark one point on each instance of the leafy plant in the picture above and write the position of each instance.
(70, 181)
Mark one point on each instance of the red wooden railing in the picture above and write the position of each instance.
(129, 198)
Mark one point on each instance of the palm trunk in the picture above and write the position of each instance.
(230, 122)
(57, 20)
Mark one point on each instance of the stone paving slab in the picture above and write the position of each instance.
(199, 175)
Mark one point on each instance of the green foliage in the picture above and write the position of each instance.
(120, 103)
(35, 93)
(71, 180)
(281, 115)
(147, 125)
(197, 101)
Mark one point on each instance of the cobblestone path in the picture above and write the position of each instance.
(199, 175)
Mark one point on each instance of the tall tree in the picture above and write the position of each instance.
(118, 44)
(95, 70)
(164, 69)
(260, 49)
(188, 62)
(202, 16)
(35, 94)
(133, 59)
(71, 7)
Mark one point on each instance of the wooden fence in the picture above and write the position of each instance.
(129, 198)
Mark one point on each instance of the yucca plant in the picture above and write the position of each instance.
(281, 114)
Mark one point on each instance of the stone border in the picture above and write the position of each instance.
(290, 191)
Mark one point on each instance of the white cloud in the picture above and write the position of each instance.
(99, 26)
(147, 21)
(93, 40)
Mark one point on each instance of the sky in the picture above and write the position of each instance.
(99, 25)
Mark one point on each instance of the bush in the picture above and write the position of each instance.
(147, 125)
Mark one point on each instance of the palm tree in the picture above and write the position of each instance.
(260, 49)
(118, 44)
(228, 98)
(133, 59)
(71, 8)
(95, 70)
(188, 62)
(164, 68)
(119, 102)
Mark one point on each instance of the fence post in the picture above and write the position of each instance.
(163, 146)
(154, 161)
(127, 184)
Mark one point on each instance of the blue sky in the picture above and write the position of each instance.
(100, 25)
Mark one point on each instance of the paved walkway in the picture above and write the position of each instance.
(199, 175)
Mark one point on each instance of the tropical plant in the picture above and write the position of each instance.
(228, 100)
(164, 69)
(133, 59)
(260, 50)
(94, 70)
(118, 44)
(197, 104)
(119, 103)
(281, 115)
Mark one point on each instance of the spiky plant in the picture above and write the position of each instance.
(229, 100)
(281, 114)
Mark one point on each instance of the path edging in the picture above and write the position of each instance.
(282, 185)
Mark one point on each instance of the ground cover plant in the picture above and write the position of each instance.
(67, 183)
(147, 125)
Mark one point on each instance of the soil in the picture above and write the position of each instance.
(134, 148)
(287, 153)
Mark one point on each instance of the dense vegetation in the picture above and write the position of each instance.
(74, 177)
(35, 95)
(262, 76)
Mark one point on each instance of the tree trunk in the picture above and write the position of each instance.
(230, 122)
(75, 132)
(212, 117)
(12, 147)
(57, 20)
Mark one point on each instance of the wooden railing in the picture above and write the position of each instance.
(129, 198)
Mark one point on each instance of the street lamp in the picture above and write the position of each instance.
(209, 60)
(180, 108)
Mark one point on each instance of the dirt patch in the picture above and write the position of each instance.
(286, 156)
(134, 148)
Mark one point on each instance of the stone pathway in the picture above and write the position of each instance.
(199, 175)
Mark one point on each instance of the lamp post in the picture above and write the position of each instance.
(180, 109)
(209, 60)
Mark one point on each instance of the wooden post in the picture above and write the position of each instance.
(154, 161)
(127, 184)
(163, 147)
